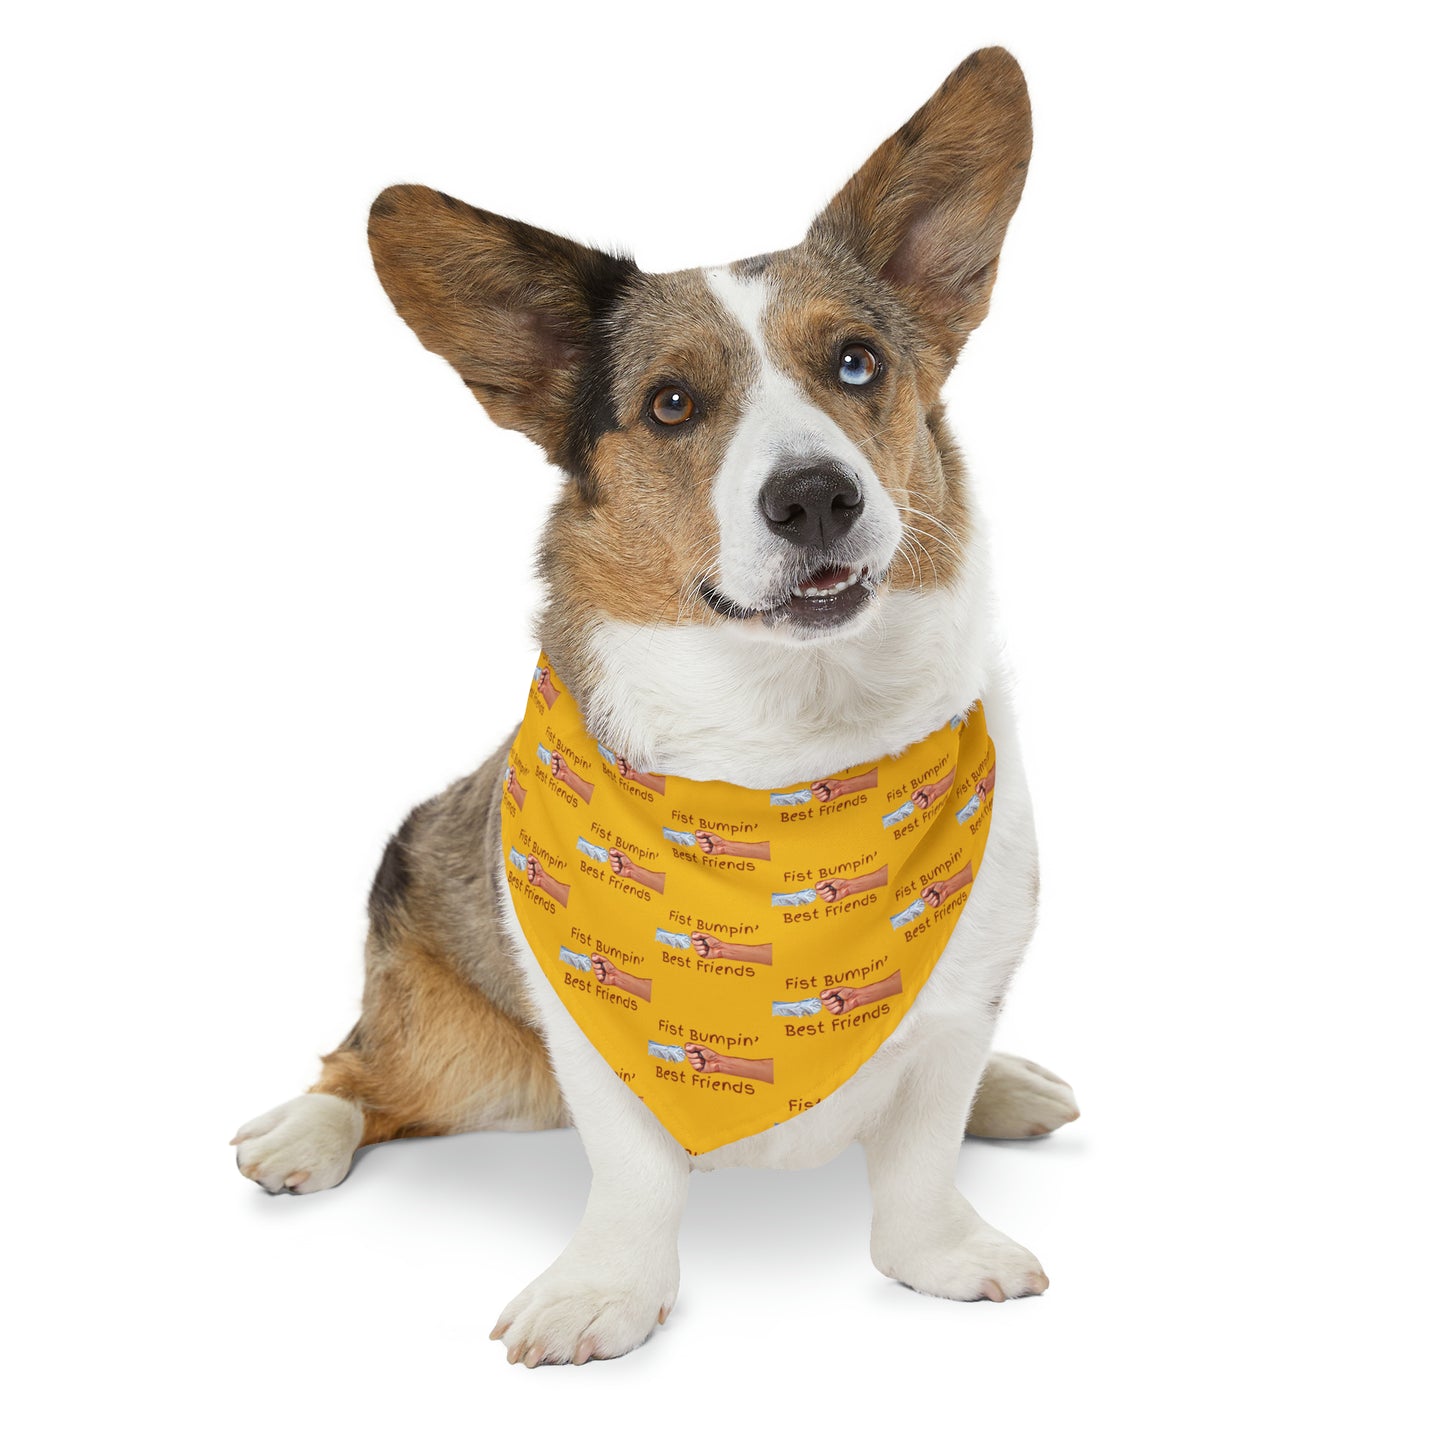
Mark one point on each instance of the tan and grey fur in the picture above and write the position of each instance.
(567, 345)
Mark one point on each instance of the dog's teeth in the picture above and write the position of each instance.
(849, 581)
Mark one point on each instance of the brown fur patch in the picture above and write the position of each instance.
(446, 1040)
(639, 554)
(439, 1057)
(821, 305)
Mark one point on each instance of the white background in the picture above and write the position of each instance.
(265, 587)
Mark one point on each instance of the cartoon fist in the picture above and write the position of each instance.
(838, 1000)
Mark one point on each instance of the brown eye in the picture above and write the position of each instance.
(671, 405)
(857, 366)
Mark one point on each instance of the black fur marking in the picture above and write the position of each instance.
(722, 604)
(753, 266)
(591, 417)
(602, 280)
(393, 878)
(355, 1040)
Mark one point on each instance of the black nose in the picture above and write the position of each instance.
(811, 503)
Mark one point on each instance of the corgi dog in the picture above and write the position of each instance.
(763, 565)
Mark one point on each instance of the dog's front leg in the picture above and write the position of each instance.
(617, 1279)
(925, 1233)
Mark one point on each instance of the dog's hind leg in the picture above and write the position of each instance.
(301, 1146)
(431, 1054)
(1017, 1099)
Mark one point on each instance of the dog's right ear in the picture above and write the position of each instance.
(514, 308)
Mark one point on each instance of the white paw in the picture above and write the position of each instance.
(1020, 1100)
(964, 1260)
(300, 1146)
(582, 1310)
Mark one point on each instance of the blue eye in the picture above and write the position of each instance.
(857, 366)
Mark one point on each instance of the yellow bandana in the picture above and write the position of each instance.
(734, 954)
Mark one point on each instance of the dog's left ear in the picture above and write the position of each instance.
(928, 211)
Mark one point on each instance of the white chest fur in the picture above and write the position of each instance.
(732, 703)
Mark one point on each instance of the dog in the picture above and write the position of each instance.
(763, 566)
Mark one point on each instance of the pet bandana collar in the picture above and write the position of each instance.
(736, 954)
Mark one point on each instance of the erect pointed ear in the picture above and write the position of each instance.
(928, 211)
(515, 309)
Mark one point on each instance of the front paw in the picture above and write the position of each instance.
(965, 1259)
(584, 1309)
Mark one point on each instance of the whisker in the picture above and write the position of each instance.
(946, 538)
(938, 522)
(691, 592)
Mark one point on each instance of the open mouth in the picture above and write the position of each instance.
(828, 597)
(820, 600)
